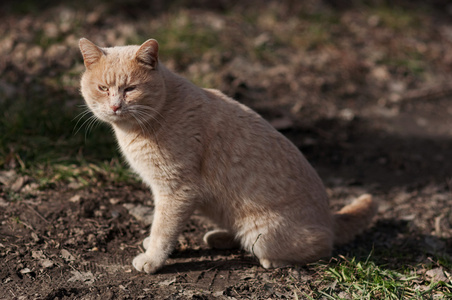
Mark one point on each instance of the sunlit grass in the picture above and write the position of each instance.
(353, 278)
(84, 174)
(397, 18)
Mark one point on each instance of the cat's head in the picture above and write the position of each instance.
(123, 85)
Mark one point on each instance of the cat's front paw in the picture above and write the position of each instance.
(146, 263)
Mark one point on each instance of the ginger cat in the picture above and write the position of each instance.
(198, 149)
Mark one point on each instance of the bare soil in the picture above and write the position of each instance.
(365, 128)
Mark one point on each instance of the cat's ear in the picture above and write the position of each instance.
(148, 53)
(91, 53)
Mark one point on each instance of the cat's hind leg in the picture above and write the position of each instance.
(282, 248)
(221, 239)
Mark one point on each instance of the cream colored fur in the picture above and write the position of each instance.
(198, 149)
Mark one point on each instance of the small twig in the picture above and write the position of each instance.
(438, 225)
(213, 279)
(449, 185)
(433, 92)
(252, 248)
(26, 225)
(37, 213)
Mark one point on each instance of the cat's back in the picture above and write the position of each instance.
(235, 117)
(244, 142)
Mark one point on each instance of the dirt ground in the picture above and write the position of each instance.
(365, 127)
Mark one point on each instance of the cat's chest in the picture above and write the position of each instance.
(143, 155)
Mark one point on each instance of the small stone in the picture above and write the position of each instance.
(114, 201)
(381, 73)
(30, 188)
(35, 237)
(75, 185)
(19, 183)
(168, 282)
(37, 254)
(436, 275)
(141, 213)
(25, 271)
(75, 198)
(218, 294)
(3, 202)
(346, 114)
(46, 263)
(123, 287)
(7, 177)
(85, 277)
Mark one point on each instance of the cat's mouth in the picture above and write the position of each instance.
(114, 116)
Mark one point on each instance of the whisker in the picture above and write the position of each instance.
(80, 116)
(149, 112)
(148, 108)
(84, 123)
(92, 120)
(147, 117)
(140, 124)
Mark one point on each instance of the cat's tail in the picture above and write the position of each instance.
(352, 219)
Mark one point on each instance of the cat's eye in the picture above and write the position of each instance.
(129, 88)
(103, 88)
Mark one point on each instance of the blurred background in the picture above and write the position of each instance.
(363, 88)
(358, 83)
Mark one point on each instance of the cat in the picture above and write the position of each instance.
(198, 149)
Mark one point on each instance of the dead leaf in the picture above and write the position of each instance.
(142, 213)
(3, 202)
(7, 177)
(19, 183)
(85, 277)
(46, 263)
(37, 254)
(168, 282)
(25, 271)
(67, 255)
(75, 198)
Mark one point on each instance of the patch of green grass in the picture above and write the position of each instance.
(309, 31)
(13, 197)
(397, 18)
(444, 260)
(39, 130)
(40, 138)
(407, 60)
(365, 279)
(84, 173)
(183, 39)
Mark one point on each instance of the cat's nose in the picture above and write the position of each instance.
(115, 107)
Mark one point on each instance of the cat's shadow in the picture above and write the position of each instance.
(395, 243)
(209, 259)
(388, 241)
